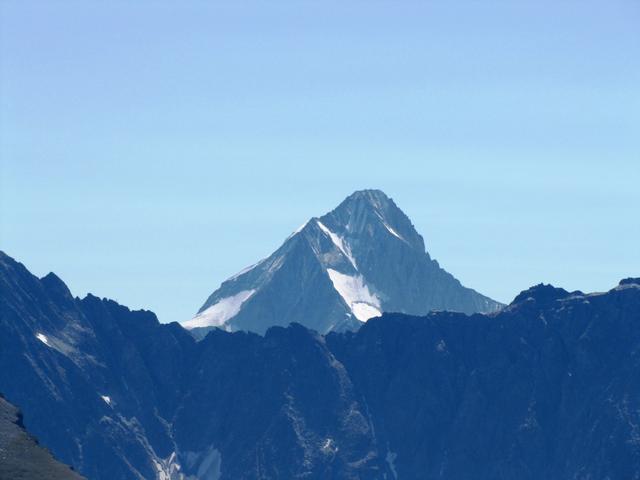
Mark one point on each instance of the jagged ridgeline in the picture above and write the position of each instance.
(336, 272)
(545, 388)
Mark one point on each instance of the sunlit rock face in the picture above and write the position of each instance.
(336, 272)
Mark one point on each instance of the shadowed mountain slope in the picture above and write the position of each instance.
(546, 388)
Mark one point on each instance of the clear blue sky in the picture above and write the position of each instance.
(149, 151)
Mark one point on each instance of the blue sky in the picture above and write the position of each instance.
(149, 151)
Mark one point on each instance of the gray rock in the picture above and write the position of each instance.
(337, 271)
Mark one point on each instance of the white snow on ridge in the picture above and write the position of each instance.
(364, 311)
(169, 468)
(219, 313)
(299, 229)
(356, 294)
(338, 242)
(393, 232)
(67, 348)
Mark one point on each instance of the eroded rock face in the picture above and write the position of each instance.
(546, 388)
(337, 271)
(118, 395)
(94, 380)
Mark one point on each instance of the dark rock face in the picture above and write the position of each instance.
(337, 271)
(280, 406)
(546, 388)
(543, 294)
(21, 458)
(540, 390)
(117, 395)
(93, 379)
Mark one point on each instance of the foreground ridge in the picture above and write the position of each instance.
(546, 379)
(20, 455)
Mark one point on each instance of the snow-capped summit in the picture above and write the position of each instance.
(337, 271)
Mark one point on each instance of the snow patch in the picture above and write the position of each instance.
(338, 242)
(329, 447)
(106, 399)
(219, 313)
(388, 227)
(393, 232)
(299, 229)
(161, 473)
(43, 338)
(169, 469)
(356, 294)
(364, 311)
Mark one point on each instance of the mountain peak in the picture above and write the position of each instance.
(542, 294)
(375, 198)
(630, 281)
(54, 284)
(337, 271)
(371, 214)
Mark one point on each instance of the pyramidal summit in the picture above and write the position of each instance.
(337, 271)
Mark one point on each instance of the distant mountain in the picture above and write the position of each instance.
(546, 388)
(21, 458)
(337, 271)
